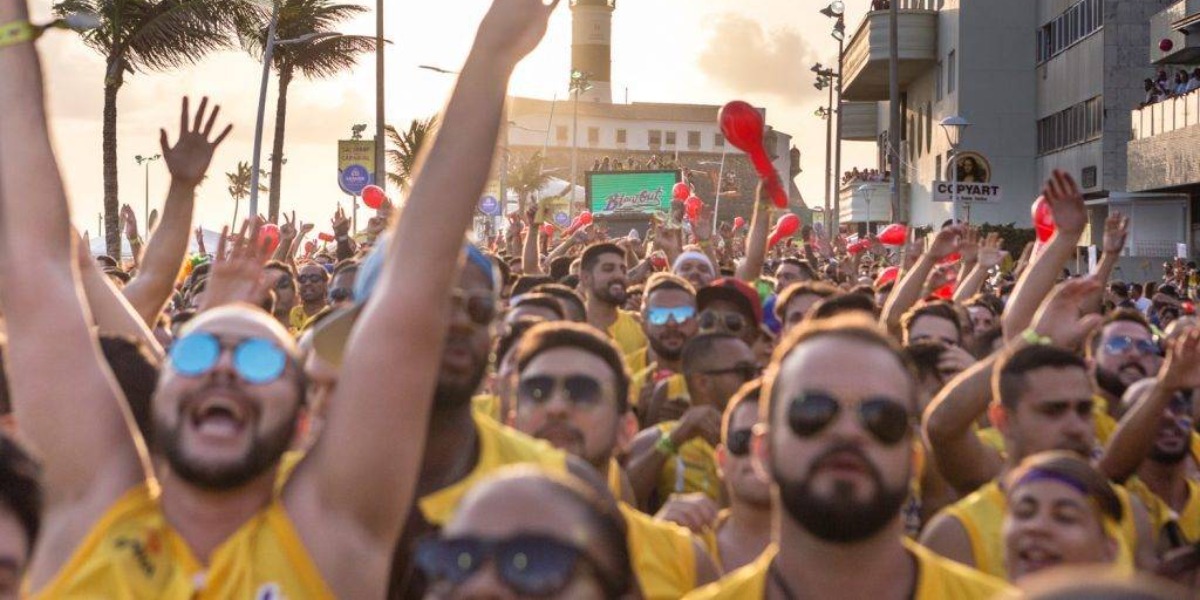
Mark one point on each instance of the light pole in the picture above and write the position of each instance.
(954, 127)
(825, 77)
(837, 10)
(579, 85)
(380, 119)
(146, 160)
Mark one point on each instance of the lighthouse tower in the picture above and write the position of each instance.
(591, 46)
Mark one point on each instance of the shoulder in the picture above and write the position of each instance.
(947, 535)
(943, 578)
(512, 446)
(747, 582)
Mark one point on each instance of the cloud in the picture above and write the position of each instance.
(746, 58)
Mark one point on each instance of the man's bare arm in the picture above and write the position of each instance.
(908, 291)
(756, 244)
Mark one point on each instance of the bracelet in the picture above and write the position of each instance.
(17, 32)
(1031, 336)
(664, 445)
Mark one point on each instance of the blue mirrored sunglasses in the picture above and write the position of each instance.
(660, 315)
(256, 360)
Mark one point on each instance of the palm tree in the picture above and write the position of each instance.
(404, 148)
(526, 176)
(325, 53)
(147, 35)
(239, 187)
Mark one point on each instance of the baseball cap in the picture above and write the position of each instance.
(735, 291)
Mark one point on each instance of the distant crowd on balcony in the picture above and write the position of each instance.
(864, 176)
(881, 4)
(1164, 87)
(631, 163)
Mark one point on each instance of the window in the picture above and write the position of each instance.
(670, 138)
(1077, 22)
(951, 76)
(621, 136)
(938, 81)
(655, 137)
(560, 133)
(1076, 124)
(693, 139)
(718, 140)
(593, 135)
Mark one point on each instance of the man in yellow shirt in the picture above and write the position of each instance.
(232, 392)
(838, 443)
(313, 287)
(571, 392)
(669, 321)
(602, 278)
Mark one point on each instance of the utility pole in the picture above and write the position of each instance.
(898, 214)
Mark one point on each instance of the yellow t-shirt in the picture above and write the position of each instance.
(132, 552)
(298, 319)
(627, 332)
(1161, 514)
(650, 376)
(499, 446)
(487, 405)
(937, 579)
(662, 555)
(694, 469)
(982, 516)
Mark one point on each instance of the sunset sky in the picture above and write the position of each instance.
(684, 51)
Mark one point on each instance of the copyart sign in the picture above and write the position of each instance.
(974, 193)
(613, 193)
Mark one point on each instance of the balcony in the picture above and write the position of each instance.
(865, 65)
(869, 202)
(860, 121)
(1163, 152)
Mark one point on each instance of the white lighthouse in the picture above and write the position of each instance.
(591, 46)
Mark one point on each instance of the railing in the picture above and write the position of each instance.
(1167, 115)
(909, 5)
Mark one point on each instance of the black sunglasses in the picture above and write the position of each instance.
(746, 371)
(481, 307)
(311, 278)
(738, 442)
(580, 389)
(528, 564)
(284, 283)
(733, 322)
(887, 420)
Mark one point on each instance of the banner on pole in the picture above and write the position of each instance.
(356, 165)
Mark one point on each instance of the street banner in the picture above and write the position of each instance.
(356, 165)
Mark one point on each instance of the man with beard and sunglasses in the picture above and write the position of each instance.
(214, 525)
(1122, 351)
(837, 443)
(571, 392)
(602, 277)
(669, 321)
(677, 456)
(730, 305)
(312, 282)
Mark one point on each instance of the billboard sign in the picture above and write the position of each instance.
(356, 165)
(616, 193)
(975, 193)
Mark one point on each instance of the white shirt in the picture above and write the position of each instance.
(1143, 304)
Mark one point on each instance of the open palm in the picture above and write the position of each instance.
(189, 158)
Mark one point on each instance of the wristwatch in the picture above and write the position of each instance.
(16, 32)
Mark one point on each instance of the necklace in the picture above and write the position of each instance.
(777, 579)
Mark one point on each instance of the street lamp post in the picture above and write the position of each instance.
(579, 84)
(837, 10)
(825, 79)
(954, 127)
(146, 160)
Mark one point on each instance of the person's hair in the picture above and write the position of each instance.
(700, 347)
(526, 283)
(1009, 377)
(324, 270)
(864, 290)
(511, 334)
(346, 266)
(136, 372)
(939, 308)
(196, 289)
(549, 336)
(183, 316)
(805, 268)
(986, 340)
(560, 267)
(925, 356)
(842, 304)
(21, 488)
(571, 281)
(819, 289)
(988, 301)
(1136, 287)
(268, 301)
(109, 262)
(747, 394)
(503, 268)
(545, 301)
(886, 288)
(852, 327)
(1125, 315)
(1119, 288)
(118, 273)
(277, 265)
(564, 295)
(592, 254)
(634, 290)
(1064, 465)
(667, 281)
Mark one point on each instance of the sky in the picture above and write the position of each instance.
(680, 51)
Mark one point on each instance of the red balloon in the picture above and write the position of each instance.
(743, 126)
(893, 235)
(693, 205)
(325, 237)
(1166, 45)
(1043, 219)
(738, 222)
(585, 218)
(373, 196)
(681, 191)
(858, 247)
(268, 236)
(659, 261)
(547, 230)
(945, 292)
(785, 227)
(887, 276)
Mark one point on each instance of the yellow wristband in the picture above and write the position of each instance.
(1031, 336)
(16, 32)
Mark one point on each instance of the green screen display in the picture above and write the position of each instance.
(630, 192)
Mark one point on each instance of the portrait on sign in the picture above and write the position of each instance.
(972, 167)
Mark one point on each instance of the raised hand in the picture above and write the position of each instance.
(513, 28)
(287, 231)
(1181, 370)
(1059, 317)
(130, 221)
(990, 254)
(969, 246)
(1066, 203)
(340, 222)
(237, 276)
(947, 242)
(189, 158)
(1116, 229)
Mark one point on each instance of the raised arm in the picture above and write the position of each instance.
(111, 310)
(364, 469)
(908, 291)
(64, 397)
(751, 267)
(1070, 216)
(188, 162)
(989, 257)
(949, 431)
(531, 263)
(1116, 228)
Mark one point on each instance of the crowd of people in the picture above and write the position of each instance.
(1163, 87)
(633, 163)
(856, 175)
(690, 415)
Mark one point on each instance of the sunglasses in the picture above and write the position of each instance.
(310, 278)
(659, 315)
(711, 319)
(256, 360)
(1121, 344)
(341, 295)
(579, 389)
(887, 420)
(746, 371)
(528, 564)
(481, 307)
(738, 442)
(284, 283)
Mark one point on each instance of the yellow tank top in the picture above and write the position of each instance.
(937, 579)
(1161, 514)
(662, 554)
(132, 552)
(694, 469)
(982, 516)
(627, 332)
(649, 376)
(499, 446)
(487, 405)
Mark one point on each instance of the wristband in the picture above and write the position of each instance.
(17, 32)
(664, 445)
(1031, 336)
